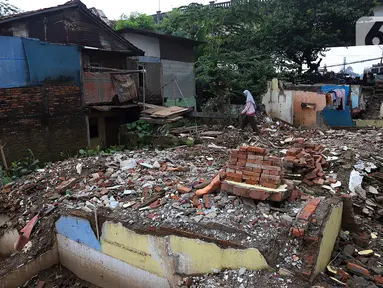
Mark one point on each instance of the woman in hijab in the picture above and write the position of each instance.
(248, 114)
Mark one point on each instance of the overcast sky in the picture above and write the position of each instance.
(114, 8)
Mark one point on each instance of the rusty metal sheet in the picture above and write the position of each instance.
(98, 88)
(125, 87)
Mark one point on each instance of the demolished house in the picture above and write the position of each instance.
(287, 208)
(93, 60)
(204, 216)
(324, 105)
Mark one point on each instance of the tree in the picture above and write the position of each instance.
(296, 31)
(6, 8)
(136, 20)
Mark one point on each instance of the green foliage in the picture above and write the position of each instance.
(25, 166)
(4, 178)
(136, 20)
(88, 152)
(296, 31)
(114, 149)
(255, 40)
(83, 153)
(19, 168)
(6, 8)
(141, 127)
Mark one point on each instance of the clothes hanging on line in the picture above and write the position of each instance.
(336, 99)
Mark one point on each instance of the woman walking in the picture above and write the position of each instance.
(248, 114)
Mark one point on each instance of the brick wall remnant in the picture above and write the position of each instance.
(49, 120)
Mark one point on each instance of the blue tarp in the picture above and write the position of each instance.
(51, 62)
(13, 63)
(27, 62)
(337, 118)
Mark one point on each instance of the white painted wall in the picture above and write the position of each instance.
(183, 73)
(103, 270)
(278, 104)
(151, 45)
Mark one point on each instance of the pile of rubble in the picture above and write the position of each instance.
(208, 191)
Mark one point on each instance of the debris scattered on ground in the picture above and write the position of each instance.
(152, 188)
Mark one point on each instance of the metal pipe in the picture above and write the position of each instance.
(96, 220)
(143, 88)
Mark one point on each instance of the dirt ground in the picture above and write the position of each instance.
(58, 277)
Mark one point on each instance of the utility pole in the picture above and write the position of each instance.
(344, 66)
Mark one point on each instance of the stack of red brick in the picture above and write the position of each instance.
(250, 165)
(306, 160)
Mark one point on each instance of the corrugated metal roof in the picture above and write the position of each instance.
(84, 9)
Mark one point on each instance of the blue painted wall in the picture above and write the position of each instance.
(79, 230)
(336, 118)
(28, 62)
(13, 63)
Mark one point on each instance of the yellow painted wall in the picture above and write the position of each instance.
(197, 257)
(166, 256)
(130, 247)
(330, 234)
(369, 123)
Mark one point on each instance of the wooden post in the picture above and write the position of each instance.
(3, 156)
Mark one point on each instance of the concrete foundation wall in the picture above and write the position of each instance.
(22, 274)
(124, 257)
(103, 270)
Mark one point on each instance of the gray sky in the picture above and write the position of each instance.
(114, 8)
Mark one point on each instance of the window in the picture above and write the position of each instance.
(93, 127)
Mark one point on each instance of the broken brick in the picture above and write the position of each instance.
(226, 187)
(252, 182)
(332, 180)
(318, 181)
(378, 279)
(293, 152)
(358, 270)
(257, 150)
(241, 191)
(243, 148)
(309, 209)
(64, 186)
(155, 204)
(255, 157)
(311, 176)
(270, 185)
(298, 232)
(308, 182)
(289, 158)
(258, 194)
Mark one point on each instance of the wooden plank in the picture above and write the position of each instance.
(148, 105)
(170, 111)
(160, 121)
(153, 110)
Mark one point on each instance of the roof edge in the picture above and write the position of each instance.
(159, 35)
